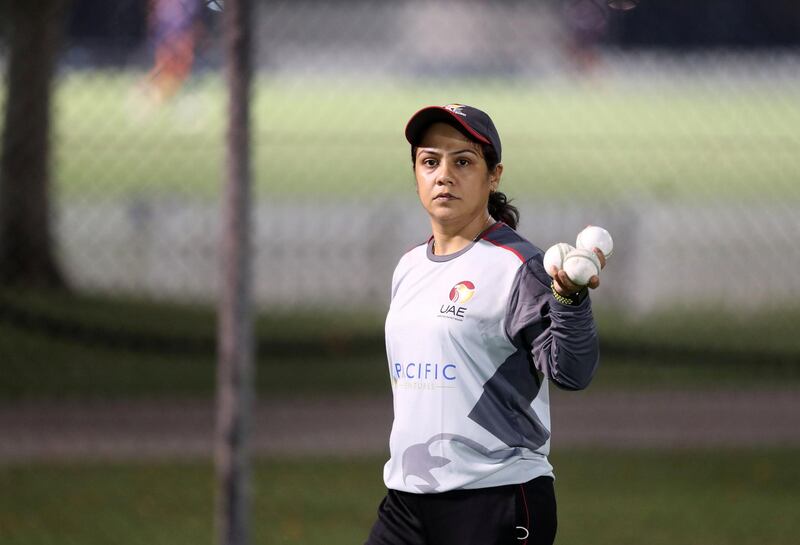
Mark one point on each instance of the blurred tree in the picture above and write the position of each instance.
(33, 32)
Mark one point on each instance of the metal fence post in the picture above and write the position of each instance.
(235, 337)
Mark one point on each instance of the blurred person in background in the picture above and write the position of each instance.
(475, 332)
(585, 24)
(175, 26)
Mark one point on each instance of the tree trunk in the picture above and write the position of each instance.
(26, 248)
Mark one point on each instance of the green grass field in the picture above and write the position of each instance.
(158, 349)
(343, 138)
(736, 497)
(317, 139)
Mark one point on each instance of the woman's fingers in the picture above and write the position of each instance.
(601, 256)
(564, 285)
(567, 287)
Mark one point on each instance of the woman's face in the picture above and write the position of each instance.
(453, 180)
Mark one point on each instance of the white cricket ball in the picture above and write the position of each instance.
(554, 256)
(595, 237)
(581, 265)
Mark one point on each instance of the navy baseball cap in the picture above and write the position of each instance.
(474, 123)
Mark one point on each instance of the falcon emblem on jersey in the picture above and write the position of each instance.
(419, 463)
(462, 292)
(457, 109)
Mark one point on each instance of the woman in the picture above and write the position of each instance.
(475, 332)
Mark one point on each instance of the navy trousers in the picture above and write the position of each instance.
(520, 514)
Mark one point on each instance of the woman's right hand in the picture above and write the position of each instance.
(566, 287)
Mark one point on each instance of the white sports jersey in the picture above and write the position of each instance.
(472, 340)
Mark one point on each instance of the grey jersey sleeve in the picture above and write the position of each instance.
(561, 339)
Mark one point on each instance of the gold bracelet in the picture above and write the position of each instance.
(564, 300)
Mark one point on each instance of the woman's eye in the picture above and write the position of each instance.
(429, 162)
(462, 162)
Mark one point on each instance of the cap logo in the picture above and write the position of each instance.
(456, 109)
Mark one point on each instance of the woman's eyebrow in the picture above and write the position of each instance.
(436, 151)
(439, 151)
(465, 150)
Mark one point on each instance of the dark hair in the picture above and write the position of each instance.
(500, 207)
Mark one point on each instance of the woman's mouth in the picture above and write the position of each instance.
(445, 197)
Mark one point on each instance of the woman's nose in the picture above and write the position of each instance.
(443, 176)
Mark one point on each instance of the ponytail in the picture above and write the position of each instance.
(502, 210)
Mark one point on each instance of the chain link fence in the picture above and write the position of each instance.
(690, 160)
(689, 157)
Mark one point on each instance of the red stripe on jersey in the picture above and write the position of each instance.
(509, 248)
(494, 227)
(497, 225)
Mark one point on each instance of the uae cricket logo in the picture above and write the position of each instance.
(462, 292)
(459, 295)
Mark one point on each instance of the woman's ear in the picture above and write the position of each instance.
(494, 177)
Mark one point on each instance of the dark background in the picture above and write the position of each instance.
(685, 24)
(678, 24)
